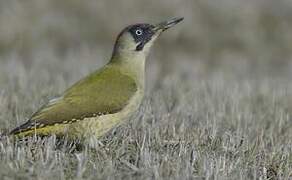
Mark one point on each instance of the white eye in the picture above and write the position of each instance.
(139, 32)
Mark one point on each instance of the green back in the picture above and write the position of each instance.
(103, 92)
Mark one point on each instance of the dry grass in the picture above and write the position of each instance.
(218, 100)
(218, 127)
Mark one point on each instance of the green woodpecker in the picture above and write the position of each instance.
(105, 98)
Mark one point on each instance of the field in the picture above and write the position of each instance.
(219, 92)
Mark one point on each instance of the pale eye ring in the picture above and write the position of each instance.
(139, 32)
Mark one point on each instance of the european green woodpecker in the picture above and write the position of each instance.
(105, 98)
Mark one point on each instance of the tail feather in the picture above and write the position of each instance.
(22, 128)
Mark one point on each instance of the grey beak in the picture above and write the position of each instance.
(167, 24)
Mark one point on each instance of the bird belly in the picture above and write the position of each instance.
(98, 126)
(94, 126)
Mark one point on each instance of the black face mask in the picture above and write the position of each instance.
(142, 34)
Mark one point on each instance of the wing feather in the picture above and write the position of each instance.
(104, 92)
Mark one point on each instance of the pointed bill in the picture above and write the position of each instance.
(167, 24)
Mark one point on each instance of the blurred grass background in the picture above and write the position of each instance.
(217, 103)
(243, 35)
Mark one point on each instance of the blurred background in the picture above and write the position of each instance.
(52, 43)
(238, 36)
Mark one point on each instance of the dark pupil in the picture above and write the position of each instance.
(138, 32)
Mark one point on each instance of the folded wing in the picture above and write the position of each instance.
(104, 92)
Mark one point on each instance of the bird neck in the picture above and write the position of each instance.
(131, 63)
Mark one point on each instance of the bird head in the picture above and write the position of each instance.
(138, 38)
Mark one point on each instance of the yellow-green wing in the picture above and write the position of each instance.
(104, 92)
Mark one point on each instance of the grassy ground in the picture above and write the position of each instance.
(209, 127)
(218, 100)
